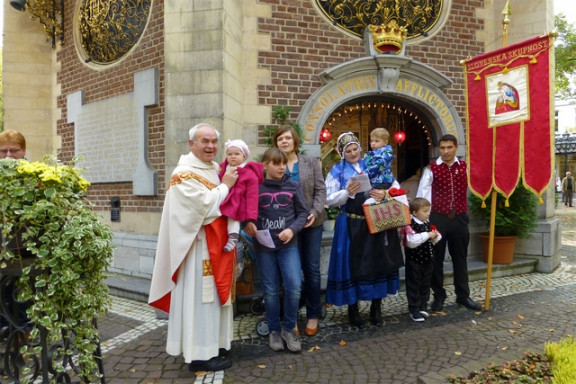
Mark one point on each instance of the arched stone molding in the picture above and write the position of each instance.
(398, 77)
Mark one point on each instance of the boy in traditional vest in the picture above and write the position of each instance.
(419, 240)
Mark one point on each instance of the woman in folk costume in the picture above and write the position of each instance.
(362, 266)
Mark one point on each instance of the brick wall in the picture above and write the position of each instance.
(74, 75)
(456, 41)
(304, 45)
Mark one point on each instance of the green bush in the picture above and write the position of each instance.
(517, 219)
(49, 230)
(563, 356)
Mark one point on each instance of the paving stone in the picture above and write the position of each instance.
(526, 311)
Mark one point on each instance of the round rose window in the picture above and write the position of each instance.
(421, 18)
(108, 29)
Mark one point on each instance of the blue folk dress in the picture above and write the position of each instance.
(377, 258)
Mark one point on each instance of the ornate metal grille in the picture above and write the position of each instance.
(110, 28)
(417, 16)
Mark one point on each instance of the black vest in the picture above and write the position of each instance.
(424, 253)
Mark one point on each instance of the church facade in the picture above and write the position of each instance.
(120, 83)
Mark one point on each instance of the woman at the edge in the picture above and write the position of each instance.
(362, 266)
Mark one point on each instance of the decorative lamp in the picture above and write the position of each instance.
(325, 135)
(49, 13)
(399, 137)
(19, 5)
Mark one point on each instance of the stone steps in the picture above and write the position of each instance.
(477, 269)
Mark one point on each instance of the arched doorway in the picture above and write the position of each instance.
(392, 91)
(364, 114)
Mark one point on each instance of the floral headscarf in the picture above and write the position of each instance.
(344, 140)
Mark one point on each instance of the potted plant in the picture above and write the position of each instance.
(514, 219)
(61, 252)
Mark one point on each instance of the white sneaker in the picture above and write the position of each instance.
(292, 340)
(425, 314)
(275, 342)
(416, 316)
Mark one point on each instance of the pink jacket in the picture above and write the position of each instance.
(241, 204)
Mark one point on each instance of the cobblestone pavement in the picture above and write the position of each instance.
(526, 311)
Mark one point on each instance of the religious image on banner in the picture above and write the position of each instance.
(510, 115)
(508, 97)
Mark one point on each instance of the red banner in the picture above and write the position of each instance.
(509, 118)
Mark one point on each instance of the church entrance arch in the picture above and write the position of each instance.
(395, 92)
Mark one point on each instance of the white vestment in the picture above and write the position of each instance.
(198, 324)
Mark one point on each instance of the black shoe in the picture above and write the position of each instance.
(354, 316)
(376, 312)
(469, 303)
(437, 304)
(214, 364)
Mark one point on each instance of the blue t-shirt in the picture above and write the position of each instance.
(295, 174)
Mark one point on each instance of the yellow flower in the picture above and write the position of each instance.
(50, 174)
(26, 167)
(65, 175)
(83, 184)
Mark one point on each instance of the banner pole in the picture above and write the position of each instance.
(505, 21)
(490, 249)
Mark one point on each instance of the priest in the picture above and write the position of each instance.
(193, 276)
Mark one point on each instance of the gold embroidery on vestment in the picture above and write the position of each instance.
(207, 268)
(178, 178)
